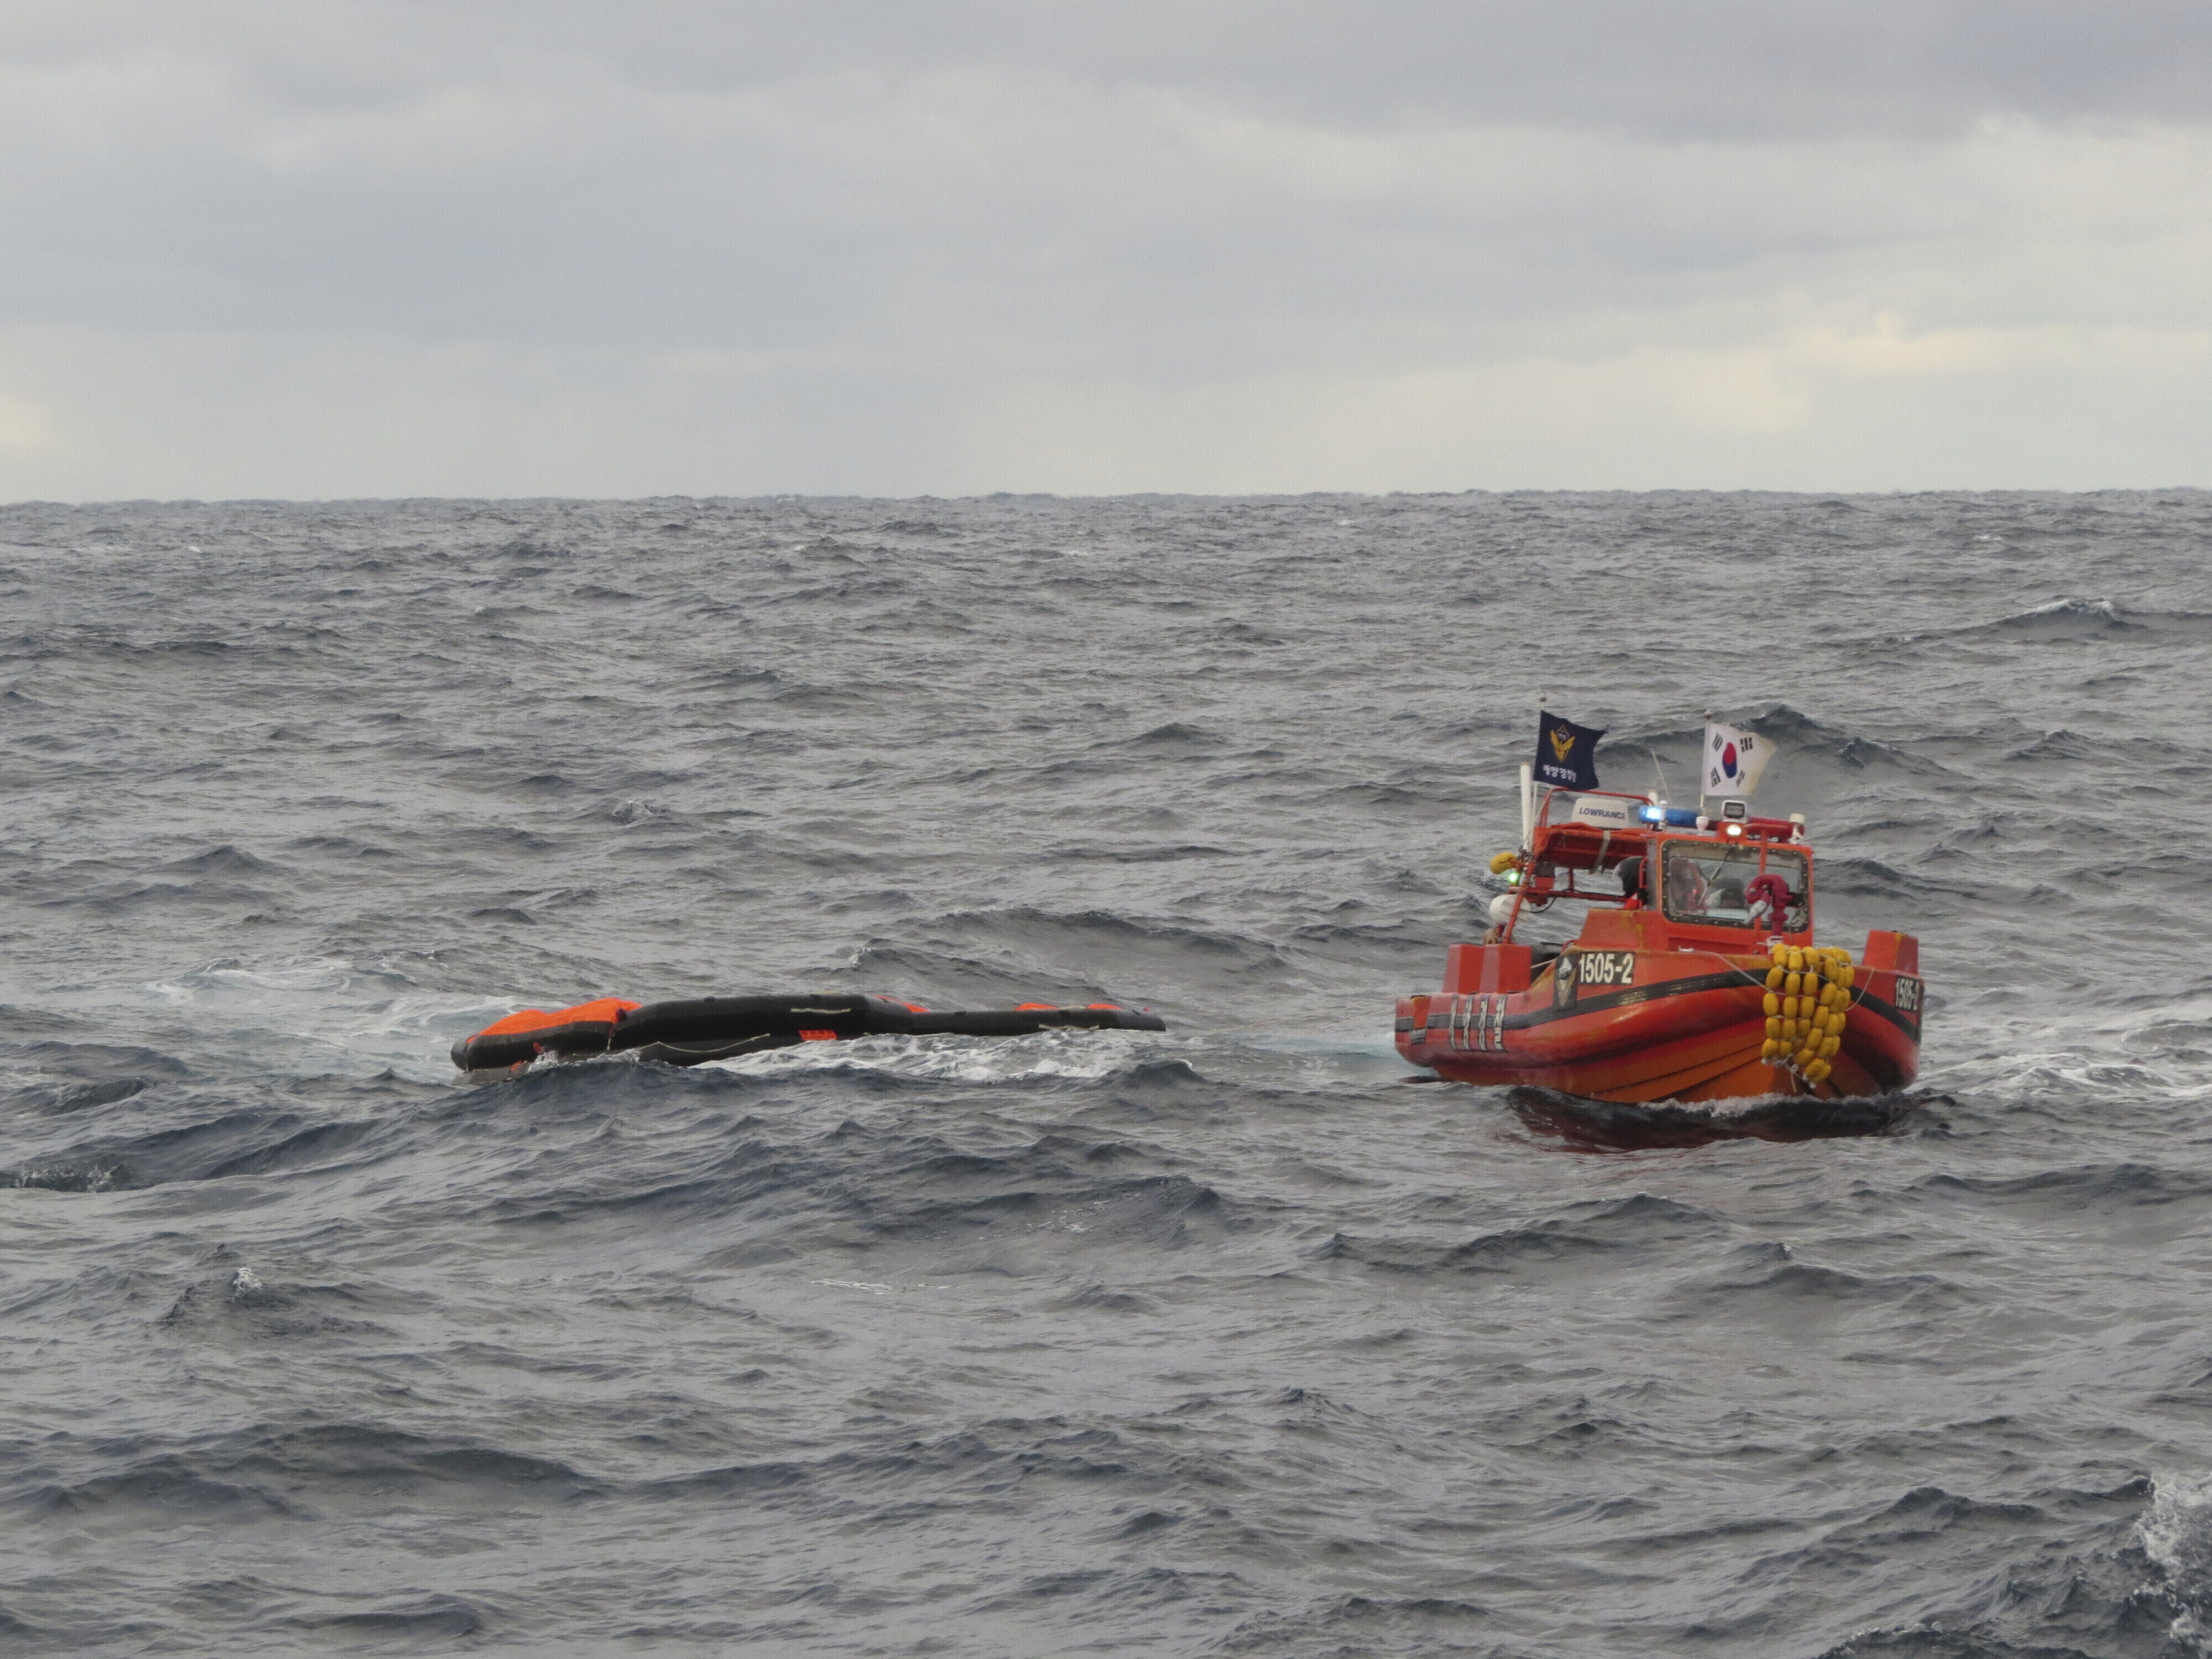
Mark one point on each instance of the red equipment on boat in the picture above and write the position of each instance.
(1699, 983)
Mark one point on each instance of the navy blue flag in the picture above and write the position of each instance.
(1566, 754)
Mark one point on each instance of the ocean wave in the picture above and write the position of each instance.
(1217, 1340)
(433, 1618)
(264, 1472)
(1811, 747)
(2069, 620)
(871, 1183)
(1576, 1242)
(1030, 954)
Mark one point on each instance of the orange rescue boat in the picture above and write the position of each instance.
(1694, 977)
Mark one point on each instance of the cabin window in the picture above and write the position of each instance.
(1704, 882)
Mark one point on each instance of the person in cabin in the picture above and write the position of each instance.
(1631, 872)
(1686, 888)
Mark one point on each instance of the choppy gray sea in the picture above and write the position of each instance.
(1229, 1341)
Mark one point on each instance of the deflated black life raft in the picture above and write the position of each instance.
(717, 1028)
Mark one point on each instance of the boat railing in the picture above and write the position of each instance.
(1544, 818)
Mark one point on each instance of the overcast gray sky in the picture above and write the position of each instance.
(382, 247)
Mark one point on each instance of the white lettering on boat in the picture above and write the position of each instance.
(1603, 968)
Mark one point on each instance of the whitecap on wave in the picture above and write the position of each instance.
(2177, 1535)
(326, 1014)
(1078, 1056)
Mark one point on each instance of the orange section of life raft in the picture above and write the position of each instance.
(603, 1011)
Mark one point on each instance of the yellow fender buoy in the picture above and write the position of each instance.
(1814, 1007)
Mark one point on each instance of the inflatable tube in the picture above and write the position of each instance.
(521, 1037)
(1020, 1022)
(691, 1032)
(718, 1028)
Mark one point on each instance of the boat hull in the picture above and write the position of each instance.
(1645, 1026)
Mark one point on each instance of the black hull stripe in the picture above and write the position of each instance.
(1634, 994)
(1908, 1024)
(1692, 986)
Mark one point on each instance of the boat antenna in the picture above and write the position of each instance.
(1656, 767)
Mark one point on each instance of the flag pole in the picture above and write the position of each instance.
(1528, 791)
(1704, 760)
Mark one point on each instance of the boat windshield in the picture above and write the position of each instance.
(1704, 883)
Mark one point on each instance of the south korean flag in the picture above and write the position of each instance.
(1734, 758)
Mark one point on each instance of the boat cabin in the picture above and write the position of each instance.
(1729, 884)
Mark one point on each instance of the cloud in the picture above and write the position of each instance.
(577, 248)
(25, 427)
(1692, 67)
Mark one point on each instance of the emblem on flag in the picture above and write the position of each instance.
(1734, 758)
(1566, 754)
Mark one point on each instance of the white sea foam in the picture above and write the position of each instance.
(2176, 1533)
(1079, 1056)
(873, 1288)
(332, 1014)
